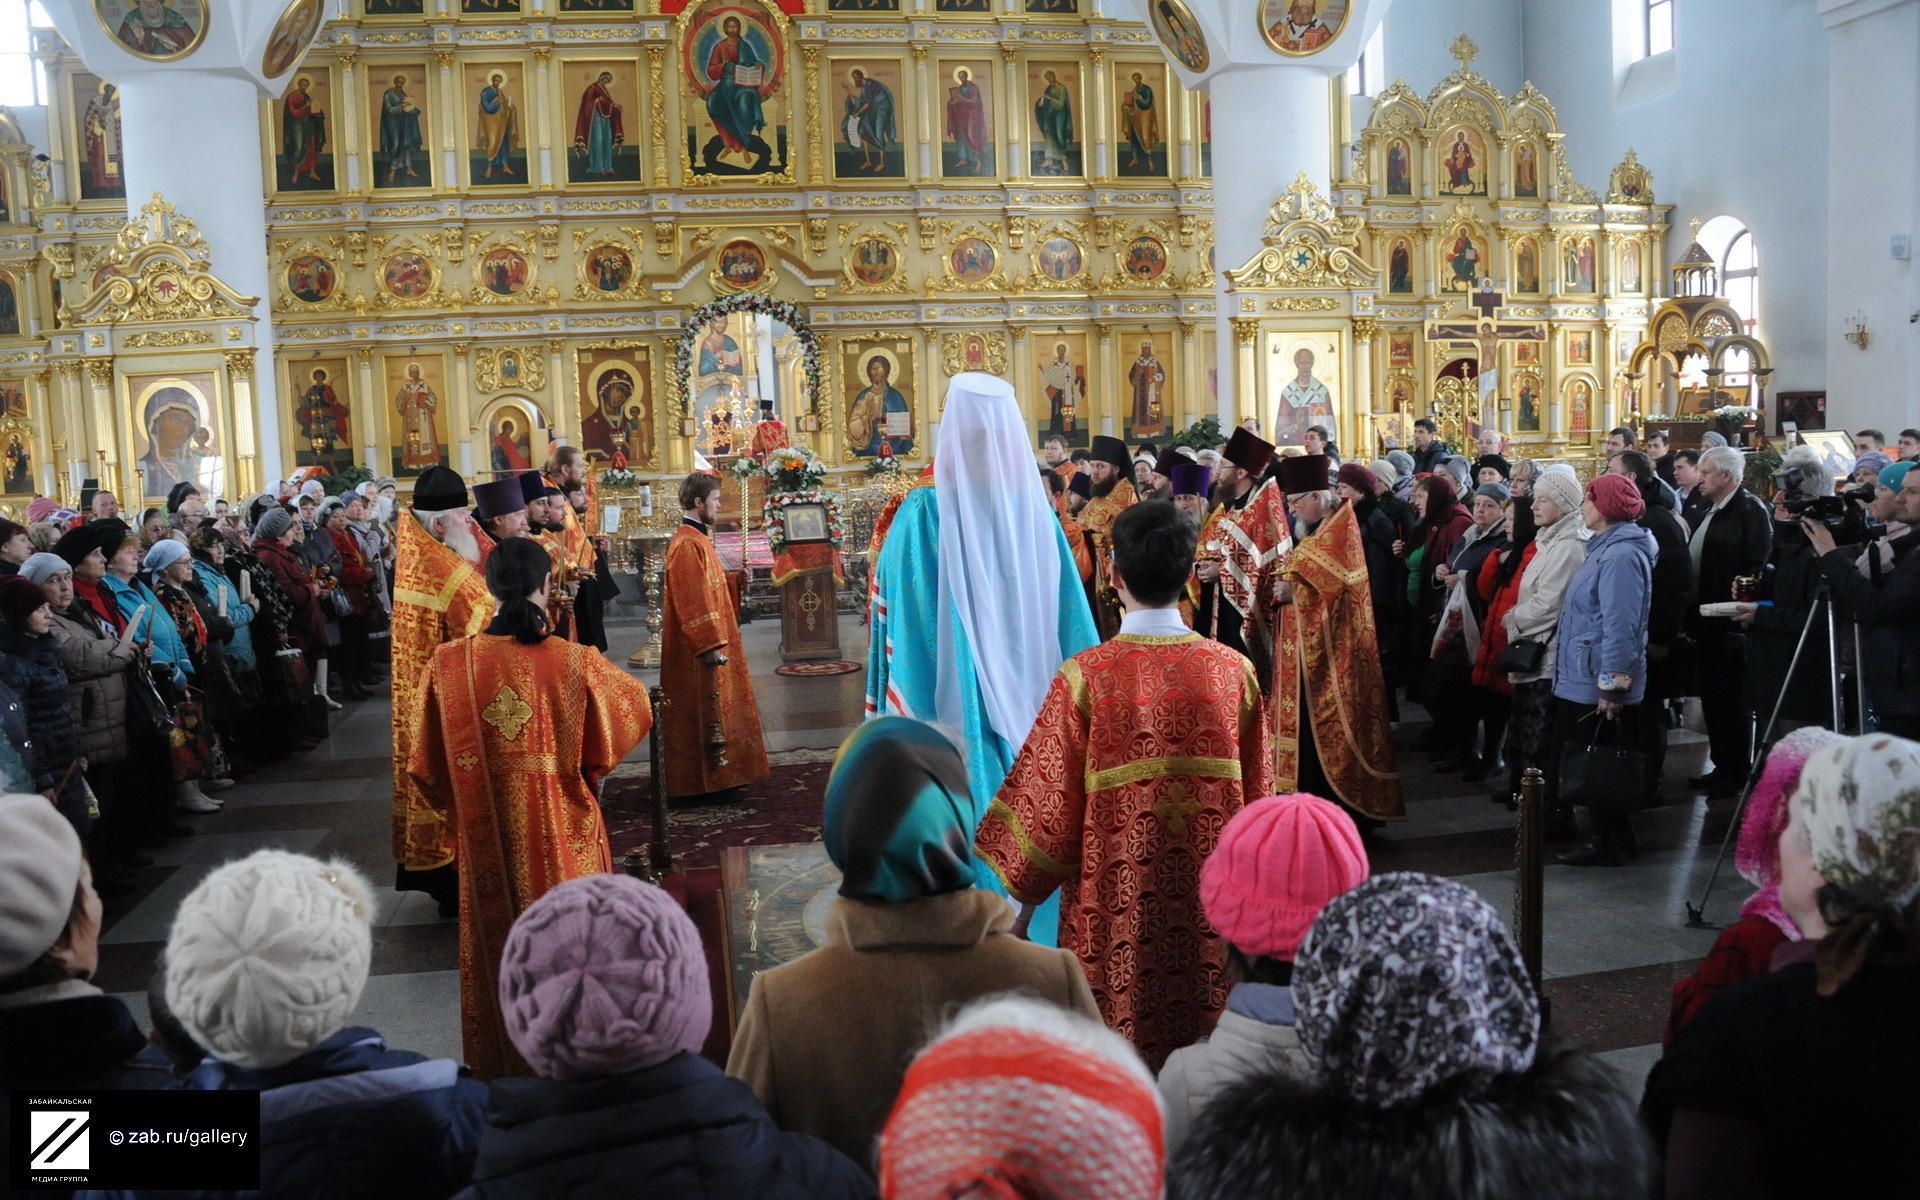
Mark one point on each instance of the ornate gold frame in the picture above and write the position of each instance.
(1266, 35)
(281, 25)
(206, 23)
(1080, 280)
(467, 126)
(894, 235)
(904, 128)
(566, 106)
(953, 350)
(486, 368)
(331, 249)
(585, 241)
(843, 349)
(376, 76)
(520, 241)
(722, 286)
(427, 247)
(796, 97)
(996, 280)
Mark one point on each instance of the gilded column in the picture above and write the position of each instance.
(449, 119)
(816, 149)
(924, 82)
(657, 112)
(100, 419)
(346, 127)
(1246, 378)
(1101, 118)
(245, 456)
(1014, 108)
(1550, 372)
(1366, 331)
(49, 453)
(66, 401)
(1193, 383)
(1109, 416)
(543, 70)
(364, 405)
(563, 399)
(463, 414)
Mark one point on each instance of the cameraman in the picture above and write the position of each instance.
(1888, 613)
(1792, 584)
(1730, 541)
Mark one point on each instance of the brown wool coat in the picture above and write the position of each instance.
(826, 1039)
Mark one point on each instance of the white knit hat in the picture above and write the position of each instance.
(1561, 487)
(269, 955)
(39, 872)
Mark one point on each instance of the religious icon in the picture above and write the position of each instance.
(322, 417)
(1298, 28)
(1138, 149)
(1400, 398)
(1580, 347)
(157, 29)
(1307, 396)
(401, 160)
(503, 271)
(1058, 258)
(873, 261)
(863, 5)
(498, 154)
(489, 7)
(100, 174)
(1526, 171)
(877, 410)
(1206, 137)
(9, 305)
(1578, 269)
(1465, 254)
(972, 260)
(13, 399)
(596, 6)
(19, 466)
(741, 263)
(395, 8)
(599, 152)
(1579, 408)
(1526, 354)
(968, 148)
(174, 413)
(1630, 267)
(869, 141)
(608, 267)
(719, 352)
(1063, 382)
(618, 406)
(407, 276)
(963, 6)
(1526, 266)
(1060, 8)
(510, 446)
(1147, 380)
(1400, 349)
(1527, 404)
(310, 278)
(1056, 145)
(304, 163)
(1399, 169)
(1145, 259)
(1400, 269)
(291, 35)
(735, 63)
(416, 400)
(1463, 162)
(1180, 33)
(973, 353)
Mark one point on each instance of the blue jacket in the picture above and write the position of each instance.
(30, 666)
(1603, 619)
(156, 627)
(351, 1118)
(240, 613)
(681, 1129)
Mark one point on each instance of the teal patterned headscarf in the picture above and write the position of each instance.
(898, 818)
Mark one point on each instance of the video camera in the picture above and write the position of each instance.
(1842, 514)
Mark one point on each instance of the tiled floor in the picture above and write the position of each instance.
(1615, 940)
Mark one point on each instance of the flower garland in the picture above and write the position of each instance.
(780, 310)
(773, 517)
(618, 477)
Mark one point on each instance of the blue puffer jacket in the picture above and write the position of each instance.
(681, 1129)
(31, 667)
(351, 1118)
(240, 648)
(156, 627)
(1603, 620)
(16, 743)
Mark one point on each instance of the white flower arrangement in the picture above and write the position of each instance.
(1735, 412)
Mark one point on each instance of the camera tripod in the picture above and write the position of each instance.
(1822, 607)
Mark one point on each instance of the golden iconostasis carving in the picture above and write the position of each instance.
(525, 204)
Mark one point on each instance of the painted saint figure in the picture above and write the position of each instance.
(303, 133)
(598, 131)
(1053, 116)
(1528, 260)
(499, 126)
(1147, 377)
(100, 129)
(1399, 179)
(1140, 122)
(871, 416)
(511, 447)
(1400, 269)
(1302, 31)
(1526, 171)
(867, 120)
(740, 80)
(719, 352)
(173, 415)
(419, 430)
(325, 424)
(1062, 381)
(967, 125)
(154, 28)
(1304, 401)
(400, 137)
(1464, 259)
(1460, 164)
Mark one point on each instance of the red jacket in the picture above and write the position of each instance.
(309, 628)
(355, 574)
(1493, 630)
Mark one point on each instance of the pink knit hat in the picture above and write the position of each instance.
(1617, 497)
(1757, 854)
(602, 976)
(1280, 859)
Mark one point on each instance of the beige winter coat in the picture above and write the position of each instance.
(96, 668)
(1240, 1048)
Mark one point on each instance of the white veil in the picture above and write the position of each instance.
(999, 558)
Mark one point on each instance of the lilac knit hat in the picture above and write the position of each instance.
(1279, 861)
(602, 976)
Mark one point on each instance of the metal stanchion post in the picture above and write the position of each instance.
(654, 861)
(1529, 884)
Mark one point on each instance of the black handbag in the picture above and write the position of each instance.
(144, 701)
(1523, 656)
(1603, 778)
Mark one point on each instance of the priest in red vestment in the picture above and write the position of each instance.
(712, 728)
(1056, 486)
(516, 731)
(1112, 494)
(1331, 733)
(1145, 746)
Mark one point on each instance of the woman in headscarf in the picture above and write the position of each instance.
(909, 938)
(1800, 1082)
(1560, 546)
(1443, 521)
(1744, 949)
(1423, 1030)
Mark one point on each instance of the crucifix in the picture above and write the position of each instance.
(1485, 329)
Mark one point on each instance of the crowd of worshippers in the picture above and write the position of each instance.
(1379, 1033)
(1528, 613)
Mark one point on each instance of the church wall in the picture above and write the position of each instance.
(1417, 35)
(1745, 132)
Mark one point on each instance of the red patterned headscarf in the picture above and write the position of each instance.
(1020, 1115)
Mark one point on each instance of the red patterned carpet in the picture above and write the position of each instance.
(783, 808)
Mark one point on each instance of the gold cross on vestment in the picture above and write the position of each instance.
(1176, 807)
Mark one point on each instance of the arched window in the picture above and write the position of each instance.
(1369, 75)
(1659, 27)
(22, 83)
(1731, 244)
